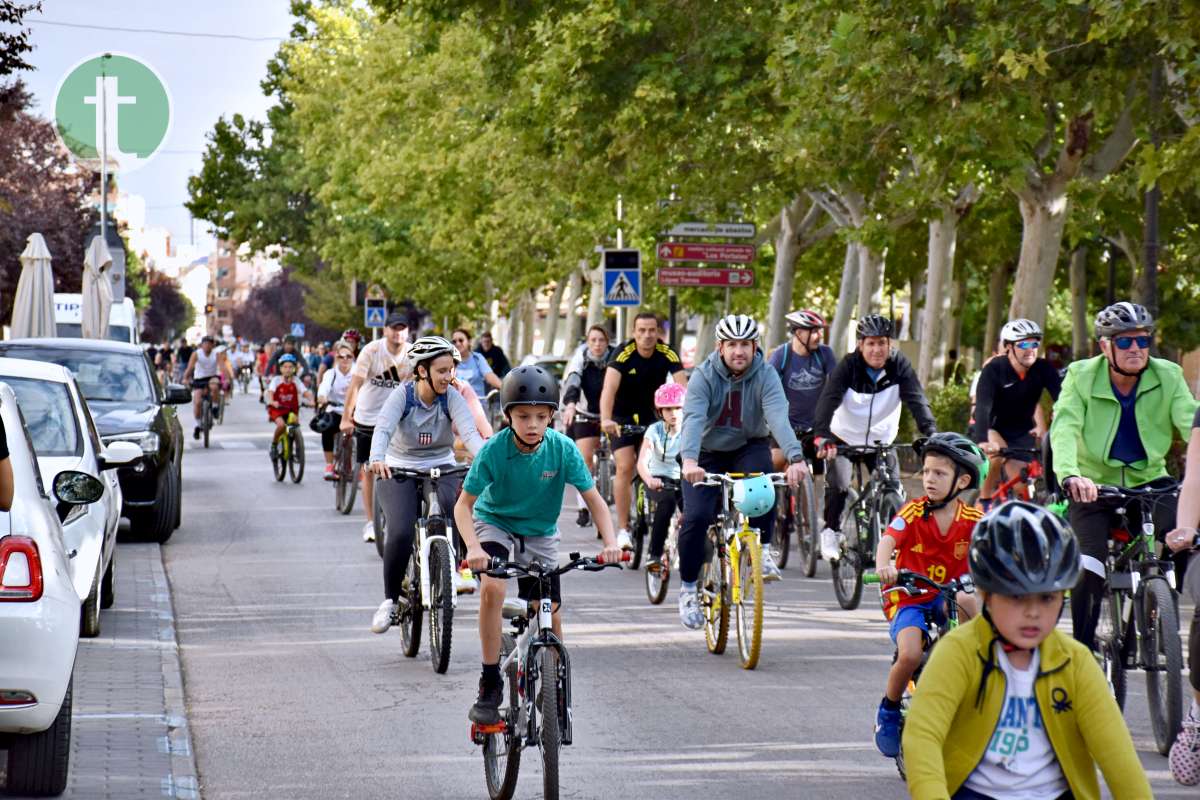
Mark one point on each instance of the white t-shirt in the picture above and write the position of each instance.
(381, 372)
(206, 365)
(333, 388)
(1019, 761)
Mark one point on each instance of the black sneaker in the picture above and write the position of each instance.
(486, 710)
(584, 518)
(196, 432)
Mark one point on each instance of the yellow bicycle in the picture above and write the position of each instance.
(731, 575)
(288, 455)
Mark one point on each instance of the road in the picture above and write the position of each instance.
(289, 695)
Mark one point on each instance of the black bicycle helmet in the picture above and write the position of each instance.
(1121, 317)
(1019, 548)
(874, 325)
(962, 451)
(528, 386)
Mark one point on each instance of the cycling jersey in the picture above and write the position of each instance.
(640, 377)
(861, 406)
(285, 393)
(1006, 401)
(803, 378)
(921, 547)
(410, 434)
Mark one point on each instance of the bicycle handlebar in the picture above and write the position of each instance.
(1015, 452)
(1107, 490)
(625, 430)
(443, 472)
(721, 478)
(502, 568)
(906, 578)
(869, 450)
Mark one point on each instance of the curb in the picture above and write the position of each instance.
(183, 782)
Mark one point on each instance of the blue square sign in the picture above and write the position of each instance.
(375, 315)
(298, 330)
(622, 277)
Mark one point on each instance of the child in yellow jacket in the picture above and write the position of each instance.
(1008, 706)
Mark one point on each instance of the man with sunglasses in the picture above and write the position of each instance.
(1112, 425)
(1010, 388)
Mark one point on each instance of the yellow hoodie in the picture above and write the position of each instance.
(958, 701)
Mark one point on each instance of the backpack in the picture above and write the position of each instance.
(410, 400)
(781, 366)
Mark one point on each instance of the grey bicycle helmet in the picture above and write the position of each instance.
(1121, 317)
(1017, 329)
(737, 328)
(805, 318)
(959, 449)
(528, 386)
(1019, 548)
(874, 325)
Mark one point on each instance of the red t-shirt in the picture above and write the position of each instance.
(285, 393)
(921, 547)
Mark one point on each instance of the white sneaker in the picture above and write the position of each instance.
(383, 617)
(368, 531)
(464, 582)
(624, 540)
(770, 569)
(689, 610)
(830, 544)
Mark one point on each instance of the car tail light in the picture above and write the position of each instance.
(16, 697)
(20, 570)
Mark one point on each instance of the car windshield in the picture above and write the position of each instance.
(74, 330)
(49, 416)
(112, 377)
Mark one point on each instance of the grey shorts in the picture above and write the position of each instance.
(523, 550)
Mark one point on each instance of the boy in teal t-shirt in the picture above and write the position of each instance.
(509, 508)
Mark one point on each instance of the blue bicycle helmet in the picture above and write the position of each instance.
(754, 496)
(288, 358)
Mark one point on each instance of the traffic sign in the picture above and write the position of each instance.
(706, 251)
(375, 292)
(622, 277)
(725, 230)
(704, 276)
(375, 313)
(298, 330)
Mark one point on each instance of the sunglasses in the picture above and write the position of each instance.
(345, 358)
(1126, 342)
(1028, 344)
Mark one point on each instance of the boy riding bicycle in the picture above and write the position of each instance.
(283, 397)
(930, 535)
(1008, 706)
(509, 508)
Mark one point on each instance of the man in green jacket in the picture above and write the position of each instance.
(1113, 425)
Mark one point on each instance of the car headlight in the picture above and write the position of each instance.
(147, 440)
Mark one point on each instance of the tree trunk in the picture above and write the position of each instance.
(574, 291)
(528, 321)
(839, 329)
(870, 280)
(1080, 335)
(550, 325)
(787, 248)
(706, 336)
(595, 313)
(1043, 214)
(918, 291)
(997, 286)
(942, 238)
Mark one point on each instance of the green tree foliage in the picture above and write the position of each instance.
(168, 313)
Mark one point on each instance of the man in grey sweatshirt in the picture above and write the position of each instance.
(734, 403)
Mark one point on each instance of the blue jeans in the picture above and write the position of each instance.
(702, 503)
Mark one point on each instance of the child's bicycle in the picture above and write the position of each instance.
(658, 572)
(537, 674)
(731, 574)
(914, 584)
(288, 457)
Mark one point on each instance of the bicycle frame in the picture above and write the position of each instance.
(865, 505)
(736, 538)
(1027, 475)
(424, 542)
(536, 631)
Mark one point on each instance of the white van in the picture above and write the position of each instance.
(68, 318)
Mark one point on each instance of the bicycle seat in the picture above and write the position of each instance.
(514, 608)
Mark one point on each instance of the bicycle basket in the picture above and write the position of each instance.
(754, 496)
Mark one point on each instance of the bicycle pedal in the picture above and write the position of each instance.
(479, 732)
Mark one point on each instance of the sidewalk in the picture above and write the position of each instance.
(129, 731)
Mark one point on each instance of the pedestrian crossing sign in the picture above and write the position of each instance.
(622, 277)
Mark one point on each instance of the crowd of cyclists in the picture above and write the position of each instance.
(1007, 707)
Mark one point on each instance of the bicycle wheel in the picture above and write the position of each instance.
(1109, 645)
(1162, 658)
(550, 734)
(411, 613)
(347, 482)
(658, 578)
(441, 600)
(641, 524)
(379, 521)
(749, 600)
(781, 542)
(887, 509)
(279, 462)
(604, 479)
(847, 568)
(502, 751)
(296, 462)
(807, 527)
(714, 596)
(206, 422)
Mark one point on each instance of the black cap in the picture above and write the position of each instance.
(396, 318)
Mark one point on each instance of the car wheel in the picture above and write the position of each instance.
(38, 763)
(108, 593)
(162, 519)
(89, 612)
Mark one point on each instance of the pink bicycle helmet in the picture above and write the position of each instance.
(669, 395)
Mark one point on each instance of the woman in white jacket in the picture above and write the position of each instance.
(332, 395)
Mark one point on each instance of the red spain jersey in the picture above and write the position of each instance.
(921, 547)
(285, 393)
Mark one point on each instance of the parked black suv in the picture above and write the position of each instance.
(128, 404)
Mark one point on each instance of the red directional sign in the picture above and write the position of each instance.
(703, 251)
(702, 276)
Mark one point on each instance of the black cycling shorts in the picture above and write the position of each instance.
(362, 442)
(584, 430)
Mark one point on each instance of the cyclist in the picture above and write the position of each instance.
(283, 398)
(183, 357)
(353, 338)
(332, 395)
(261, 359)
(803, 364)
(203, 366)
(473, 367)
(734, 402)
(1185, 753)
(1008, 706)
(509, 508)
(859, 406)
(582, 386)
(382, 365)
(243, 359)
(929, 535)
(1007, 398)
(415, 430)
(1112, 425)
(493, 354)
(287, 348)
(634, 373)
(659, 459)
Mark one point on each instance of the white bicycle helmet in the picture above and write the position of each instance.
(429, 347)
(737, 328)
(1017, 329)
(805, 318)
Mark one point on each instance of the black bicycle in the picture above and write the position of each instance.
(871, 504)
(796, 510)
(1137, 619)
(537, 672)
(345, 471)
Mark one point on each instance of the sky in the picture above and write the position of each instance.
(207, 77)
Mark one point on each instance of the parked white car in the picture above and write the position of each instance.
(65, 438)
(39, 614)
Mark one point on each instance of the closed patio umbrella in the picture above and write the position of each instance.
(33, 307)
(97, 290)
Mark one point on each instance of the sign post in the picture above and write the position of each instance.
(622, 278)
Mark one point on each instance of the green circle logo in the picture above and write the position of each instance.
(116, 102)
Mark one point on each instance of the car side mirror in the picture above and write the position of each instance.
(178, 393)
(77, 488)
(118, 454)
